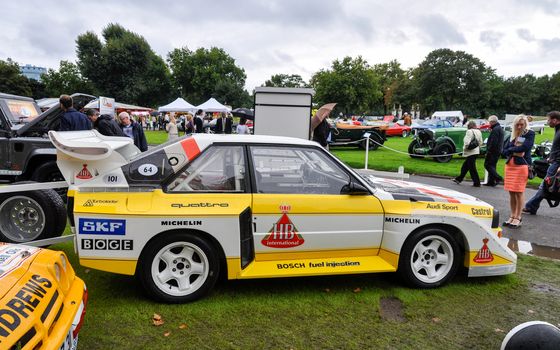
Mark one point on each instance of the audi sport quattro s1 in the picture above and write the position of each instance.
(42, 301)
(246, 206)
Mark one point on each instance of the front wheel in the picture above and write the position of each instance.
(375, 141)
(444, 153)
(412, 147)
(429, 258)
(178, 268)
(405, 133)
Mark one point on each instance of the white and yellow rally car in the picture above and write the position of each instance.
(250, 206)
(42, 301)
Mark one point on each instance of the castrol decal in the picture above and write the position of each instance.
(283, 233)
(484, 255)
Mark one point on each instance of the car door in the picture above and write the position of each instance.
(298, 206)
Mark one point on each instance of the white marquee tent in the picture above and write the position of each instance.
(213, 106)
(179, 105)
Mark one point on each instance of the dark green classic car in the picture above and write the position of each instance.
(441, 143)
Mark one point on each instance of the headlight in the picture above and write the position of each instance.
(57, 272)
(63, 262)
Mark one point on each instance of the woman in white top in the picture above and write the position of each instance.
(171, 128)
(470, 153)
(242, 128)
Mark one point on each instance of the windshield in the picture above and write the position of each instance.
(22, 111)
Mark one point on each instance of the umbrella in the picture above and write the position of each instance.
(321, 114)
(243, 113)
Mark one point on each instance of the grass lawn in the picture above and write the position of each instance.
(334, 312)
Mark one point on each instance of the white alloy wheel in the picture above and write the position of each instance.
(431, 259)
(179, 269)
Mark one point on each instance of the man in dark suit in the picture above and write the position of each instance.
(72, 120)
(494, 147)
(223, 124)
(198, 122)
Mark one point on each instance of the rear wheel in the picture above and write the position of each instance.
(429, 258)
(31, 215)
(405, 133)
(49, 172)
(413, 145)
(443, 153)
(179, 267)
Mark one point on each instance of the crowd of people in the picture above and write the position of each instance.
(105, 124)
(518, 167)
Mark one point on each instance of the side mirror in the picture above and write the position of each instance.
(354, 188)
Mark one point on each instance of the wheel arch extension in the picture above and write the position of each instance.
(202, 234)
(457, 234)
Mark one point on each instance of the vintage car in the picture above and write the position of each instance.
(344, 134)
(398, 129)
(431, 124)
(441, 144)
(242, 206)
(42, 301)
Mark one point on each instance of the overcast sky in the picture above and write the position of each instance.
(515, 37)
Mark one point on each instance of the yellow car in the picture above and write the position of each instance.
(42, 301)
(245, 206)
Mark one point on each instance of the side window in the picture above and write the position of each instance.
(218, 169)
(296, 171)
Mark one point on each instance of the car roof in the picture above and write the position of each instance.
(215, 138)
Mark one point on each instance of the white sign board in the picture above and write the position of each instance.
(283, 112)
(107, 105)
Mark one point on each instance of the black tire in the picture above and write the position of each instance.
(424, 249)
(186, 250)
(413, 145)
(31, 215)
(443, 149)
(405, 133)
(49, 172)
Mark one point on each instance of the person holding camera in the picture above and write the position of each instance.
(471, 149)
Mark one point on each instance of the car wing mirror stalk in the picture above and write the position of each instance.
(354, 188)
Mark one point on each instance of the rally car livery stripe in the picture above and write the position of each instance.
(190, 147)
(434, 193)
(266, 256)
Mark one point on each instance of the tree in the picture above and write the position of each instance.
(124, 66)
(37, 89)
(392, 78)
(66, 80)
(351, 83)
(203, 73)
(286, 80)
(11, 80)
(451, 80)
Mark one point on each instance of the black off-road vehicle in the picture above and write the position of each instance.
(27, 154)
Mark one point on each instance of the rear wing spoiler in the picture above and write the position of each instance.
(84, 155)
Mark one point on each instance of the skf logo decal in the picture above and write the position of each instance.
(84, 174)
(283, 233)
(484, 255)
(102, 227)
